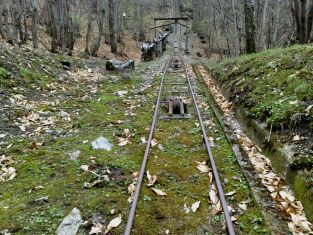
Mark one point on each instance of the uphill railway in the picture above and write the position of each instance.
(177, 100)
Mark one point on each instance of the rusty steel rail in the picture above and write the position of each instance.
(131, 217)
(146, 156)
(229, 224)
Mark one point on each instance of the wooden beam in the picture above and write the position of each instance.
(160, 26)
(183, 25)
(172, 18)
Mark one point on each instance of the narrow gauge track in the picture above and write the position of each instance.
(177, 62)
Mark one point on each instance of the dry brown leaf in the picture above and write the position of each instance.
(123, 142)
(203, 167)
(231, 193)
(113, 224)
(22, 128)
(93, 184)
(159, 192)
(217, 209)
(143, 140)
(186, 209)
(296, 138)
(154, 142)
(210, 177)
(213, 195)
(151, 178)
(96, 229)
(195, 206)
(84, 167)
(135, 175)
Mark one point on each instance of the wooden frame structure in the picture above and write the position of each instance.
(176, 21)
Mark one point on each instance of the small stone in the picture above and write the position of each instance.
(125, 76)
(71, 223)
(102, 144)
(74, 155)
(64, 114)
(121, 93)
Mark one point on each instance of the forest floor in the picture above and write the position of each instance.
(51, 113)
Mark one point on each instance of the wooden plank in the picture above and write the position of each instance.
(172, 18)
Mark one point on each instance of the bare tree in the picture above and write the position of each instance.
(113, 41)
(303, 13)
(249, 26)
(34, 23)
(101, 18)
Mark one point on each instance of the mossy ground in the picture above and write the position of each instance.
(62, 179)
(275, 85)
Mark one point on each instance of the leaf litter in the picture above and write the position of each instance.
(279, 191)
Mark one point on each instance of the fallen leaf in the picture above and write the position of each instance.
(159, 192)
(151, 179)
(296, 138)
(96, 229)
(230, 193)
(195, 206)
(123, 142)
(93, 184)
(135, 175)
(186, 209)
(154, 142)
(213, 195)
(203, 167)
(84, 167)
(22, 128)
(143, 140)
(113, 223)
(2, 135)
(243, 206)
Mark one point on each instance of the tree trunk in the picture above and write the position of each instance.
(113, 42)
(24, 10)
(142, 36)
(34, 23)
(52, 25)
(249, 26)
(89, 22)
(303, 13)
(101, 17)
(2, 33)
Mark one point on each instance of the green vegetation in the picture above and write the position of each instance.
(276, 86)
(107, 114)
(3, 72)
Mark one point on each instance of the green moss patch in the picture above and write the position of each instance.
(276, 86)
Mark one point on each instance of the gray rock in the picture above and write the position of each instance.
(102, 143)
(74, 155)
(125, 76)
(71, 223)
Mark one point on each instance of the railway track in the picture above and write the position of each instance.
(177, 100)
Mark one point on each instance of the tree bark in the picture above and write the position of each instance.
(101, 18)
(89, 22)
(303, 13)
(113, 41)
(34, 23)
(2, 33)
(249, 26)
